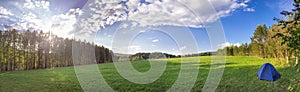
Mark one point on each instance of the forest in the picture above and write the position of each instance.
(280, 41)
(263, 44)
(27, 50)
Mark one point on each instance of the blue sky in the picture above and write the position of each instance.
(239, 27)
(154, 25)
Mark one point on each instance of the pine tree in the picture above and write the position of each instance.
(258, 39)
(292, 23)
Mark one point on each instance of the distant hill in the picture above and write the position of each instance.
(201, 54)
(154, 55)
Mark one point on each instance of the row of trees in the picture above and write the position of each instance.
(264, 44)
(159, 55)
(154, 55)
(201, 54)
(280, 41)
(37, 50)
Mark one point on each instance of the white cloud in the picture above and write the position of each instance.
(5, 12)
(176, 12)
(59, 24)
(4, 17)
(33, 4)
(236, 44)
(226, 44)
(29, 17)
(36, 15)
(142, 31)
(125, 25)
(226, 7)
(182, 48)
(155, 40)
(192, 13)
(280, 5)
(249, 10)
(100, 13)
(131, 49)
(135, 48)
(64, 23)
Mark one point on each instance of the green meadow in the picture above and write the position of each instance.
(239, 75)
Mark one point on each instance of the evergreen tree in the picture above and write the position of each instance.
(258, 40)
(292, 23)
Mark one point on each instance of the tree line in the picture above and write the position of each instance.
(154, 55)
(27, 50)
(281, 40)
(263, 44)
(201, 54)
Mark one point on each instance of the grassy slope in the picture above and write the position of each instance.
(239, 75)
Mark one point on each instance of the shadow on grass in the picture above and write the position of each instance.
(235, 79)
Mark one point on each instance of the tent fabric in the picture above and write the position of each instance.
(268, 72)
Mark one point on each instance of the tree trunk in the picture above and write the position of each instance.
(0, 66)
(20, 63)
(65, 59)
(28, 60)
(287, 56)
(25, 60)
(14, 54)
(1, 58)
(39, 59)
(287, 59)
(4, 57)
(297, 60)
(7, 59)
(8, 66)
(46, 60)
(34, 60)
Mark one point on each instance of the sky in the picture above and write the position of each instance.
(131, 26)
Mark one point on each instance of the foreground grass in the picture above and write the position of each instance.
(239, 75)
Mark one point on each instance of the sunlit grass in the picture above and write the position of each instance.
(239, 75)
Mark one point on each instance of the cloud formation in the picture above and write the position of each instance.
(155, 40)
(97, 14)
(33, 4)
(5, 12)
(36, 15)
(249, 10)
(188, 13)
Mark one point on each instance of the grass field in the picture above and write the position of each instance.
(239, 75)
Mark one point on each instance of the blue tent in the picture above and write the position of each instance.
(268, 72)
